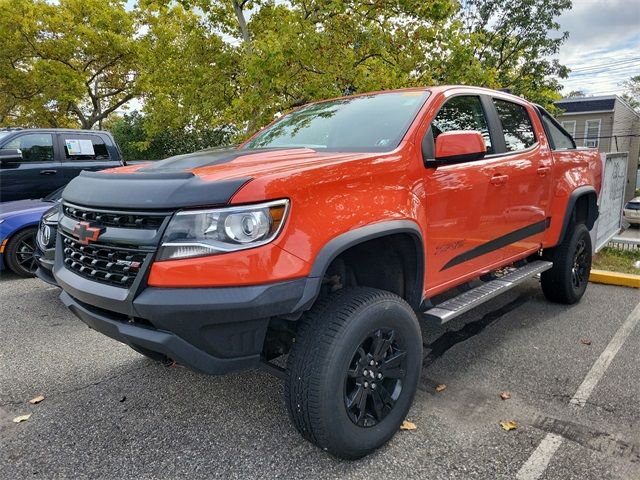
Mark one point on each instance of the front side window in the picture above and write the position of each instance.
(516, 125)
(369, 123)
(592, 133)
(462, 113)
(85, 147)
(35, 147)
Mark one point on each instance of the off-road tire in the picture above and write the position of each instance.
(560, 284)
(16, 252)
(320, 368)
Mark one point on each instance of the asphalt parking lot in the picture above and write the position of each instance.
(111, 413)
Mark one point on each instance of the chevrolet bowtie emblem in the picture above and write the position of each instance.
(86, 233)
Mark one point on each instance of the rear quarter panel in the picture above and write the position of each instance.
(572, 169)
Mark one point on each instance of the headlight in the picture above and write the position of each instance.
(207, 232)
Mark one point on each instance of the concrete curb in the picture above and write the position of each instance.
(615, 278)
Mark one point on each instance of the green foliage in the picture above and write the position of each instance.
(136, 143)
(512, 42)
(66, 64)
(632, 92)
(197, 64)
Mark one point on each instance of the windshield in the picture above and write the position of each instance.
(4, 134)
(370, 123)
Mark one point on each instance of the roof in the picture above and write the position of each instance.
(587, 104)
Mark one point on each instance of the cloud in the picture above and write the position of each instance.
(605, 33)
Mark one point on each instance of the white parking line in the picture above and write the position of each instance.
(537, 463)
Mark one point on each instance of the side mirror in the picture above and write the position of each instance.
(459, 146)
(8, 156)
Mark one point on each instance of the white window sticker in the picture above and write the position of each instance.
(79, 147)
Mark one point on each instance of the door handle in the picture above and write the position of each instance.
(499, 179)
(48, 172)
(542, 171)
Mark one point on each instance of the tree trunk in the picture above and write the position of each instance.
(242, 22)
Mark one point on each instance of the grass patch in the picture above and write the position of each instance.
(614, 260)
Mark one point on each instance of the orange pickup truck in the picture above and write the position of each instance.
(332, 237)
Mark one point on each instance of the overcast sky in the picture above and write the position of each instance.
(603, 48)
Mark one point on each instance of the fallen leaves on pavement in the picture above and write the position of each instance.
(36, 400)
(508, 425)
(21, 418)
(407, 425)
(505, 395)
(440, 387)
(585, 341)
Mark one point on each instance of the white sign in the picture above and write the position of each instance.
(79, 147)
(611, 199)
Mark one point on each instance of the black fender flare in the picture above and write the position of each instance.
(343, 242)
(592, 214)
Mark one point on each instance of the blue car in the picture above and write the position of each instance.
(18, 227)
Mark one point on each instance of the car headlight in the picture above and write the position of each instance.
(193, 233)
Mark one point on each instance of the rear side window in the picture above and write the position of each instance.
(516, 125)
(35, 147)
(558, 138)
(84, 147)
(462, 113)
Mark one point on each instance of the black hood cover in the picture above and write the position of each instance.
(148, 191)
(165, 184)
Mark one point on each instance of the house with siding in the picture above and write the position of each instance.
(607, 123)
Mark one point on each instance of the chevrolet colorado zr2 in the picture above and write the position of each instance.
(326, 237)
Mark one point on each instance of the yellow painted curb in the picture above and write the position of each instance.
(615, 278)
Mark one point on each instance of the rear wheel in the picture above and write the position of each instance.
(567, 280)
(353, 370)
(19, 253)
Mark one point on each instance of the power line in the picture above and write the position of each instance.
(610, 71)
(608, 64)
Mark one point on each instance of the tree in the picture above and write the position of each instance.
(575, 94)
(136, 143)
(70, 63)
(513, 43)
(632, 92)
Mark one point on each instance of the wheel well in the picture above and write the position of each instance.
(585, 210)
(391, 263)
(20, 230)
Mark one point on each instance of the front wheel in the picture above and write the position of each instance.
(353, 370)
(567, 280)
(19, 253)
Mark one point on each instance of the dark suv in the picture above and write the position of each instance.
(35, 162)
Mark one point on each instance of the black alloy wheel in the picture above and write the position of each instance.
(20, 253)
(581, 264)
(374, 379)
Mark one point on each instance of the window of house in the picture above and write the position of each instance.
(570, 127)
(462, 113)
(592, 133)
(85, 147)
(516, 125)
(35, 147)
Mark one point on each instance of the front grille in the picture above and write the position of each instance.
(103, 263)
(115, 219)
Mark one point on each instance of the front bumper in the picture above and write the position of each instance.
(45, 261)
(210, 330)
(632, 218)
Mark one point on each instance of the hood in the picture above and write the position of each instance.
(21, 207)
(206, 178)
(223, 164)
